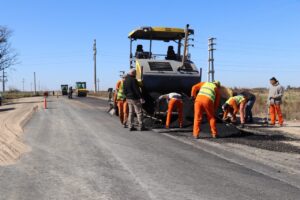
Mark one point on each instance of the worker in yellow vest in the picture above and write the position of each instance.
(207, 99)
(234, 105)
(121, 102)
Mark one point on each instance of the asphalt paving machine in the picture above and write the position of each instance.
(164, 73)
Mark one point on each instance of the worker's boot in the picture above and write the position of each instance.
(141, 128)
(214, 136)
(196, 137)
(242, 125)
(132, 129)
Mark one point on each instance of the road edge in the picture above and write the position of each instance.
(223, 153)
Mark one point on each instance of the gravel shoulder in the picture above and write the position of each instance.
(13, 116)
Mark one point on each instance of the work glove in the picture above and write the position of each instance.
(192, 98)
(225, 118)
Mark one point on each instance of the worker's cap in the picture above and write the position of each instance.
(132, 71)
(225, 106)
(273, 79)
(217, 83)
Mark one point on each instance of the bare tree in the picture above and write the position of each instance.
(8, 57)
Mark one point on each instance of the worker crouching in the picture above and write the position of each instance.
(234, 105)
(121, 102)
(174, 100)
(207, 100)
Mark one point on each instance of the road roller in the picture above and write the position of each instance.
(81, 90)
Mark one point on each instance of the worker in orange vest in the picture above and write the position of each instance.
(207, 100)
(274, 100)
(232, 106)
(173, 99)
(120, 99)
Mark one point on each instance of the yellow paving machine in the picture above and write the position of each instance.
(161, 73)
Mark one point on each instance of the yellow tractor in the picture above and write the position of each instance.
(81, 90)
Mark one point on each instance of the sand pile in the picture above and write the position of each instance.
(12, 118)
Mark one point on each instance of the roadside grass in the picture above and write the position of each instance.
(7, 96)
(290, 106)
(103, 94)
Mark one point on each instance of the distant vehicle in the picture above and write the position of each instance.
(64, 89)
(81, 90)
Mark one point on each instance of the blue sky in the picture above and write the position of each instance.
(256, 39)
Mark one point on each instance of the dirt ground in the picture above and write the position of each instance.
(13, 116)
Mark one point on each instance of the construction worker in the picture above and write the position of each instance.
(173, 99)
(207, 100)
(121, 102)
(134, 99)
(251, 98)
(232, 106)
(275, 100)
(70, 95)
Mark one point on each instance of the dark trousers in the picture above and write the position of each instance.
(249, 107)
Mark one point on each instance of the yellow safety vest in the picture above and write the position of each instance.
(208, 89)
(121, 95)
(238, 99)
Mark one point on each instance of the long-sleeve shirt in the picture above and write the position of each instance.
(196, 88)
(131, 88)
(275, 94)
(250, 96)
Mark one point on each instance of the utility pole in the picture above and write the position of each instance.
(34, 83)
(30, 86)
(23, 81)
(185, 47)
(98, 81)
(95, 66)
(211, 69)
(3, 79)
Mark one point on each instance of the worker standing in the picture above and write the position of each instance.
(275, 100)
(70, 95)
(121, 102)
(251, 98)
(134, 99)
(173, 99)
(207, 100)
(234, 105)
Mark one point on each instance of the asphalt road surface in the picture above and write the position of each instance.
(81, 152)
